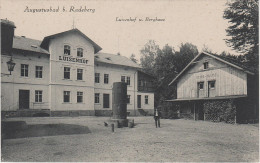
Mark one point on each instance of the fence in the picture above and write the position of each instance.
(217, 118)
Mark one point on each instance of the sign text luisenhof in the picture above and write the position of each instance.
(71, 59)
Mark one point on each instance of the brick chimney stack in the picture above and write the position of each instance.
(7, 35)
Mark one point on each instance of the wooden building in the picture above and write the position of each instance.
(216, 88)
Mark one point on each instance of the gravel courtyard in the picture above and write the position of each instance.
(177, 140)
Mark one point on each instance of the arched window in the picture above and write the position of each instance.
(66, 49)
(79, 52)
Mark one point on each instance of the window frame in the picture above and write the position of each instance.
(128, 80)
(97, 77)
(64, 74)
(106, 78)
(146, 99)
(66, 49)
(97, 98)
(39, 73)
(210, 82)
(206, 65)
(123, 78)
(79, 74)
(38, 96)
(66, 93)
(24, 70)
(80, 51)
(199, 84)
(80, 94)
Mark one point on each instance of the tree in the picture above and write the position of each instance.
(132, 57)
(148, 55)
(244, 28)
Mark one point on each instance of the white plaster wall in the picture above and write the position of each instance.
(150, 104)
(11, 84)
(10, 96)
(115, 73)
(57, 82)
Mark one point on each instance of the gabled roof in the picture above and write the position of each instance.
(46, 40)
(115, 60)
(217, 57)
(28, 44)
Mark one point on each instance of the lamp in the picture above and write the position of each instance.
(10, 65)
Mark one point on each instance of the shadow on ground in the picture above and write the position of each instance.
(38, 130)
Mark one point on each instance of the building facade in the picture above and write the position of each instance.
(212, 88)
(65, 75)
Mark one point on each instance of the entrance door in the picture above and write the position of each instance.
(24, 99)
(211, 89)
(139, 101)
(200, 89)
(105, 100)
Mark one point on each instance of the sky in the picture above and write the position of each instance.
(199, 22)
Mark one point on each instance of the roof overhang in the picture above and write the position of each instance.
(46, 40)
(206, 98)
(213, 56)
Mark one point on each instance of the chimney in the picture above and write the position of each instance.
(7, 36)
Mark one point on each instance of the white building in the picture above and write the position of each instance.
(66, 75)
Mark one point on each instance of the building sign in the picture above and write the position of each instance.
(71, 59)
(213, 75)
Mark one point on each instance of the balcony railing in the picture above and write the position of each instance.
(145, 88)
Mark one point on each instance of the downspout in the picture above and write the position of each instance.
(134, 93)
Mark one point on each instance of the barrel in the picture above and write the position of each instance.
(119, 98)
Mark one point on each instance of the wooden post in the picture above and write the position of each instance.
(194, 112)
(112, 127)
(204, 116)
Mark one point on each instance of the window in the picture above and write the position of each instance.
(38, 96)
(24, 70)
(97, 77)
(66, 72)
(79, 97)
(96, 98)
(206, 65)
(201, 85)
(38, 72)
(146, 99)
(212, 84)
(140, 82)
(66, 50)
(79, 52)
(79, 74)
(128, 80)
(128, 99)
(66, 96)
(106, 78)
(123, 79)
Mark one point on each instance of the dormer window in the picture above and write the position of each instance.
(206, 65)
(79, 52)
(66, 50)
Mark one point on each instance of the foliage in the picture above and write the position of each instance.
(244, 28)
(224, 109)
(148, 55)
(132, 57)
(165, 64)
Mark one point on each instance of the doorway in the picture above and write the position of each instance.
(139, 101)
(24, 99)
(105, 100)
(199, 113)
